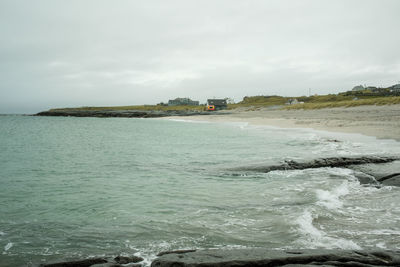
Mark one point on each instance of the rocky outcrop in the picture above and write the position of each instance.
(98, 262)
(338, 162)
(369, 169)
(247, 258)
(386, 173)
(78, 263)
(266, 257)
(120, 113)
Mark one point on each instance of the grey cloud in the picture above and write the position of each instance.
(72, 53)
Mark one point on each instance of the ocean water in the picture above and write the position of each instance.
(81, 187)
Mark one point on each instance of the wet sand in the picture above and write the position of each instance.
(382, 122)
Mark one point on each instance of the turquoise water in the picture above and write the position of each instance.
(79, 187)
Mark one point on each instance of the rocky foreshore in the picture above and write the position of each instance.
(268, 257)
(247, 258)
(120, 113)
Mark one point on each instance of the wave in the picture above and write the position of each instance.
(331, 199)
(312, 237)
(8, 246)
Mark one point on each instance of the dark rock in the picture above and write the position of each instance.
(369, 169)
(78, 263)
(379, 171)
(393, 180)
(125, 260)
(364, 178)
(181, 251)
(109, 264)
(265, 257)
(386, 174)
(323, 163)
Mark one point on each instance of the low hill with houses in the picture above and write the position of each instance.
(359, 95)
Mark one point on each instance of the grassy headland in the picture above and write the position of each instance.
(346, 99)
(347, 103)
(137, 107)
(316, 102)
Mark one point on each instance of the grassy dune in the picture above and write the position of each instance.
(260, 101)
(315, 102)
(347, 103)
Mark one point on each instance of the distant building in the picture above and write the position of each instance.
(217, 103)
(358, 88)
(182, 102)
(395, 88)
(372, 88)
(229, 100)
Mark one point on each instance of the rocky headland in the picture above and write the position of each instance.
(120, 113)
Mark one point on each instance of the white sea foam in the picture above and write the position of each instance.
(331, 199)
(313, 237)
(388, 232)
(186, 120)
(381, 245)
(306, 227)
(8, 246)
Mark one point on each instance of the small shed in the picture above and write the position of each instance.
(182, 102)
(358, 88)
(217, 103)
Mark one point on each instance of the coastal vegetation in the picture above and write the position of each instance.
(134, 107)
(316, 101)
(345, 99)
(346, 103)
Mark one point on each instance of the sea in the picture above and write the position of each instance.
(72, 188)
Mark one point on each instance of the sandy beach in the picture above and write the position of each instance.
(382, 122)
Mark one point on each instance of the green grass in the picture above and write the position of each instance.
(315, 102)
(260, 101)
(255, 102)
(380, 101)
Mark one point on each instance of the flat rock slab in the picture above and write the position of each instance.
(98, 262)
(386, 173)
(265, 257)
(335, 162)
(371, 169)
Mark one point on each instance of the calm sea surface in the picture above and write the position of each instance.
(79, 187)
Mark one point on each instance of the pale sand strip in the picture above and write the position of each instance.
(380, 121)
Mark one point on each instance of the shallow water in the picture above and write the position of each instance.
(78, 187)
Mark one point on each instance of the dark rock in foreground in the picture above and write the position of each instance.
(323, 163)
(78, 263)
(98, 262)
(265, 257)
(120, 113)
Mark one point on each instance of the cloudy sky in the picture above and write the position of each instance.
(67, 53)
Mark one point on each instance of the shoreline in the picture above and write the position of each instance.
(248, 257)
(382, 122)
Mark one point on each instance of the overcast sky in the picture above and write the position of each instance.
(71, 53)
